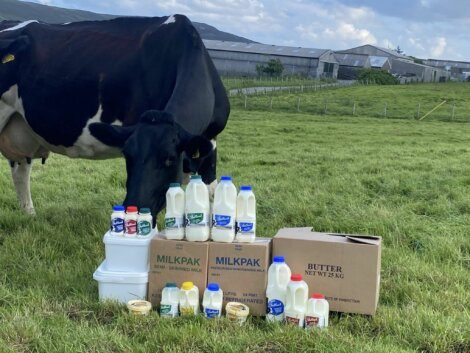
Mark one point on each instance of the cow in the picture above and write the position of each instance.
(138, 87)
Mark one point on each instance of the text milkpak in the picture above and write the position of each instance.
(241, 269)
(343, 267)
(176, 261)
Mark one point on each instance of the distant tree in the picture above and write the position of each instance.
(380, 77)
(398, 50)
(273, 67)
(468, 79)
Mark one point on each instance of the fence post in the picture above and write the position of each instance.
(246, 97)
(419, 108)
(326, 106)
(453, 111)
(271, 103)
(302, 88)
(298, 104)
(385, 110)
(354, 108)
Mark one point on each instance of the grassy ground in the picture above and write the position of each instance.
(406, 181)
(243, 82)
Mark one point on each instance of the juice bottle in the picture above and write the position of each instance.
(170, 300)
(174, 216)
(212, 301)
(296, 300)
(189, 299)
(197, 210)
(246, 215)
(278, 277)
(224, 212)
(318, 311)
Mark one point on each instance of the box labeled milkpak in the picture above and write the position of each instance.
(176, 261)
(343, 267)
(241, 270)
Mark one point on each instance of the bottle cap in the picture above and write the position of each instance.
(225, 178)
(144, 211)
(296, 277)
(245, 188)
(318, 296)
(175, 185)
(187, 285)
(278, 259)
(119, 208)
(170, 285)
(195, 177)
(214, 287)
(131, 209)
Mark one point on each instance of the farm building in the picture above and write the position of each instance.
(373, 50)
(241, 59)
(380, 62)
(459, 70)
(350, 64)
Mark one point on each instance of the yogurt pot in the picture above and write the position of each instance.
(139, 307)
(236, 312)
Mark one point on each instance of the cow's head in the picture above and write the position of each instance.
(154, 150)
(12, 52)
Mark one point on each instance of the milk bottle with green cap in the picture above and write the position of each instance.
(144, 223)
(170, 300)
(246, 215)
(174, 216)
(224, 212)
(197, 210)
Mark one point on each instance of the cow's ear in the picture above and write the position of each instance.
(111, 135)
(195, 150)
(10, 49)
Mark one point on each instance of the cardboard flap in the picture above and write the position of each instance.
(364, 239)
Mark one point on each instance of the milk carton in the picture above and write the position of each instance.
(296, 300)
(144, 223)
(117, 220)
(170, 300)
(317, 312)
(246, 215)
(131, 222)
(189, 299)
(212, 301)
(278, 277)
(224, 212)
(174, 216)
(197, 210)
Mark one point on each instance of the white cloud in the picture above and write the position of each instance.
(347, 31)
(439, 47)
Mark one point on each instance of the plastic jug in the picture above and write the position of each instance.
(170, 300)
(224, 212)
(317, 313)
(174, 216)
(278, 277)
(197, 210)
(246, 215)
(189, 299)
(212, 301)
(296, 300)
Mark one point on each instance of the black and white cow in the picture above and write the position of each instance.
(144, 88)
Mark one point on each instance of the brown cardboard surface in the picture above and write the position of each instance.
(176, 261)
(345, 268)
(241, 269)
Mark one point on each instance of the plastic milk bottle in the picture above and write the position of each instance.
(117, 220)
(144, 223)
(174, 216)
(296, 300)
(278, 278)
(317, 313)
(189, 299)
(224, 212)
(197, 210)
(170, 300)
(131, 221)
(246, 215)
(212, 301)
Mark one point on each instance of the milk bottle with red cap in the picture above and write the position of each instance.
(224, 212)
(246, 215)
(131, 221)
(317, 312)
(197, 210)
(296, 300)
(278, 277)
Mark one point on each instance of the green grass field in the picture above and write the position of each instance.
(404, 180)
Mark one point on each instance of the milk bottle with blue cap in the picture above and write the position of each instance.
(197, 210)
(278, 278)
(212, 301)
(224, 212)
(174, 216)
(117, 220)
(246, 215)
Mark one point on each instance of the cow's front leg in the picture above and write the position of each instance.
(21, 179)
(208, 170)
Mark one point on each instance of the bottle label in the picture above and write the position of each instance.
(131, 226)
(144, 228)
(314, 321)
(275, 307)
(167, 310)
(222, 221)
(196, 220)
(211, 313)
(186, 310)
(117, 225)
(173, 222)
(246, 227)
(292, 320)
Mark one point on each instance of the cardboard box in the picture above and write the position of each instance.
(241, 269)
(345, 268)
(176, 261)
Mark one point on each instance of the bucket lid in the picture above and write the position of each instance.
(296, 277)
(278, 259)
(213, 287)
(318, 296)
(245, 188)
(103, 275)
(187, 285)
(119, 208)
(225, 178)
(110, 239)
(175, 185)
(131, 209)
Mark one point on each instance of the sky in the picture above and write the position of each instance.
(423, 28)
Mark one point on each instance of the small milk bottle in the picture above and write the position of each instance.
(170, 300)
(224, 212)
(197, 210)
(131, 221)
(212, 301)
(174, 216)
(144, 223)
(278, 278)
(246, 215)
(189, 299)
(296, 300)
(317, 313)
(117, 220)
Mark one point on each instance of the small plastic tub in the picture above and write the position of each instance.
(139, 307)
(236, 312)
